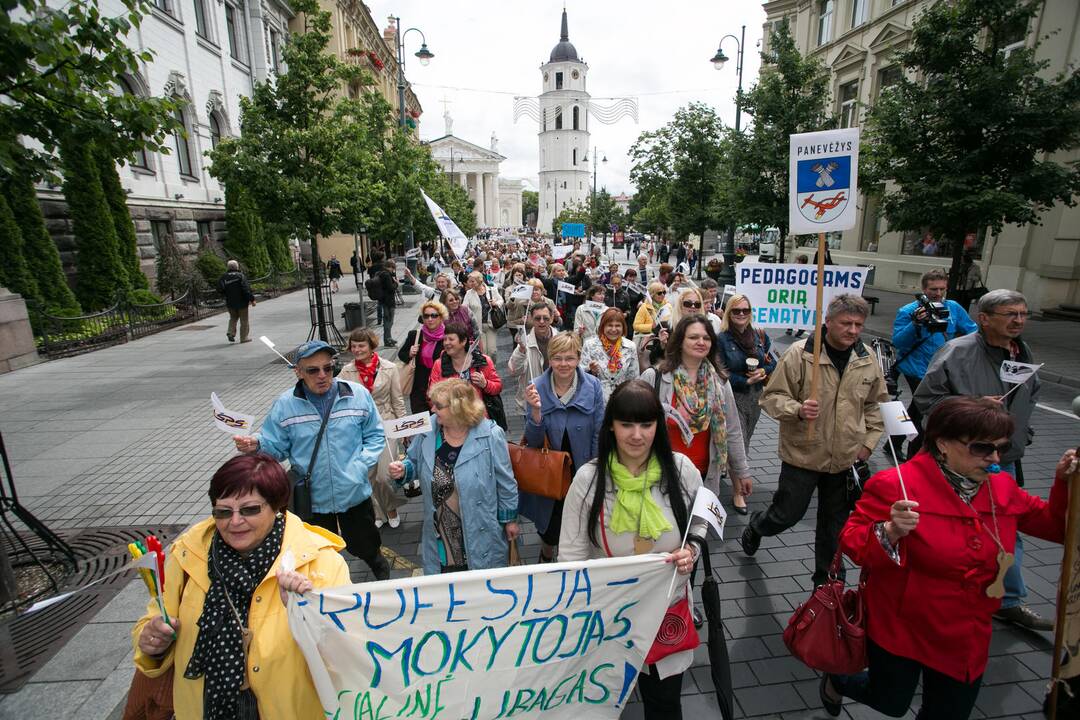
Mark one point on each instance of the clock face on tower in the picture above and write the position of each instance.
(545, 77)
(574, 74)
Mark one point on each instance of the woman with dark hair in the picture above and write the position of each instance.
(631, 500)
(474, 367)
(699, 406)
(421, 347)
(221, 580)
(935, 537)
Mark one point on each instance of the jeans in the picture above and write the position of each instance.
(387, 323)
(662, 699)
(1015, 589)
(357, 527)
(789, 504)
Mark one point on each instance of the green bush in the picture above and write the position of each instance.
(126, 244)
(40, 251)
(210, 266)
(14, 273)
(144, 297)
(245, 234)
(174, 275)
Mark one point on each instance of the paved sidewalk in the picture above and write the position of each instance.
(122, 437)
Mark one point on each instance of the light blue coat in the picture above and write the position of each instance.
(487, 493)
(351, 445)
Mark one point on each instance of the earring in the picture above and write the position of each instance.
(279, 515)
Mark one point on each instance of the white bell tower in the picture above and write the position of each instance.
(564, 132)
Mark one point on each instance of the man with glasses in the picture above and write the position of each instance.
(351, 444)
(971, 365)
(530, 358)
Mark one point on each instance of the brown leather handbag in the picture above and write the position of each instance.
(541, 471)
(828, 631)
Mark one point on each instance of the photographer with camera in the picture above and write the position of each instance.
(920, 328)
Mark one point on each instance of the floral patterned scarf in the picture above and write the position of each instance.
(700, 403)
(614, 353)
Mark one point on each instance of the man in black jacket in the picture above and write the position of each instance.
(238, 297)
(384, 277)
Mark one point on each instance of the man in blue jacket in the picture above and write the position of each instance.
(916, 340)
(351, 445)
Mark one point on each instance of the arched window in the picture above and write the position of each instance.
(215, 131)
(576, 112)
(558, 118)
(138, 158)
(180, 141)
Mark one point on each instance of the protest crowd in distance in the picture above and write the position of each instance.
(639, 389)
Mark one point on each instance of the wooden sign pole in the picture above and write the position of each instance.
(1072, 536)
(820, 327)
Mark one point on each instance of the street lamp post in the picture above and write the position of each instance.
(592, 206)
(727, 276)
(424, 56)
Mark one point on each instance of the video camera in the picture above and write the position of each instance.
(937, 315)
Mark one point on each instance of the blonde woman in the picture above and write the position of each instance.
(425, 343)
(654, 310)
(380, 377)
(747, 354)
(691, 301)
(538, 297)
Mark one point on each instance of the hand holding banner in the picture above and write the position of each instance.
(1018, 372)
(708, 507)
(897, 420)
(406, 426)
(521, 292)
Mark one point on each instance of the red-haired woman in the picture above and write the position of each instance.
(935, 561)
(609, 355)
(223, 578)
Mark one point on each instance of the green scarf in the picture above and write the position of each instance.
(635, 510)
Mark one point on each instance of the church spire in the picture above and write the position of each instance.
(565, 35)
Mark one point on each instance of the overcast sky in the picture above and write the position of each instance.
(488, 51)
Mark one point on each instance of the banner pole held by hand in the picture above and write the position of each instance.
(1072, 537)
(675, 574)
(819, 328)
(270, 344)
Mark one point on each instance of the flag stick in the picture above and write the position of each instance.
(1072, 536)
(896, 462)
(1013, 389)
(270, 344)
(686, 534)
(818, 328)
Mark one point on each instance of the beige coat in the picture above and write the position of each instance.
(849, 418)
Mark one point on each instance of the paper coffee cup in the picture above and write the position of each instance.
(751, 364)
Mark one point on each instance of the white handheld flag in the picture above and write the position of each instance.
(408, 425)
(565, 287)
(558, 252)
(447, 227)
(897, 420)
(707, 506)
(1018, 372)
(521, 292)
(230, 421)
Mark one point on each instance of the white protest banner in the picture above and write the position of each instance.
(1018, 372)
(823, 181)
(447, 227)
(408, 425)
(597, 307)
(565, 287)
(521, 292)
(730, 290)
(558, 641)
(558, 252)
(412, 253)
(230, 421)
(708, 507)
(782, 296)
(638, 288)
(897, 420)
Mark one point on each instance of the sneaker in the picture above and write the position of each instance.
(1025, 617)
(232, 338)
(378, 523)
(394, 520)
(750, 541)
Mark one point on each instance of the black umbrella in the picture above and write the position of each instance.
(719, 664)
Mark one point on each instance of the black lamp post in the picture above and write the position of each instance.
(424, 56)
(727, 276)
(592, 206)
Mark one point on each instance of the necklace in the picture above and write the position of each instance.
(1005, 560)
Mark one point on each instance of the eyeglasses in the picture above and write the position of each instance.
(541, 319)
(660, 292)
(317, 370)
(740, 311)
(985, 449)
(693, 305)
(431, 316)
(439, 406)
(226, 513)
(1017, 315)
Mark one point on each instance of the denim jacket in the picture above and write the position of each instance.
(734, 358)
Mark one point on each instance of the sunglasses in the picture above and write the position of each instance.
(226, 513)
(541, 319)
(740, 311)
(986, 449)
(660, 292)
(431, 316)
(693, 305)
(315, 370)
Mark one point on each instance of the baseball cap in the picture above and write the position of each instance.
(311, 347)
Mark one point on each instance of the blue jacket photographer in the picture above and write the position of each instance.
(923, 326)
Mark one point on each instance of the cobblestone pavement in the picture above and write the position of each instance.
(122, 437)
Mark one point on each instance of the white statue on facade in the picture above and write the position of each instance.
(494, 142)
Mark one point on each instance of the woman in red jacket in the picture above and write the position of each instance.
(475, 368)
(934, 563)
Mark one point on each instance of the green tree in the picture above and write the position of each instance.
(791, 96)
(602, 212)
(174, 273)
(40, 251)
(58, 70)
(14, 272)
(246, 238)
(530, 205)
(652, 174)
(126, 244)
(969, 144)
(101, 273)
(277, 247)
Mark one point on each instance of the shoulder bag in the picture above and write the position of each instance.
(300, 497)
(541, 471)
(496, 314)
(828, 631)
(408, 370)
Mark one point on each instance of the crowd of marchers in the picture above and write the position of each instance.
(653, 384)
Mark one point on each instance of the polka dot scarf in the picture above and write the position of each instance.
(219, 653)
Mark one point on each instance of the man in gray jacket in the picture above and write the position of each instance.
(971, 365)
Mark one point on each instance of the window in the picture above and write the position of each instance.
(849, 104)
(138, 158)
(183, 150)
(232, 26)
(162, 5)
(825, 16)
(200, 19)
(203, 228)
(887, 77)
(159, 229)
(577, 113)
(859, 11)
(575, 151)
(543, 120)
(1013, 38)
(275, 47)
(215, 131)
(558, 118)
(558, 81)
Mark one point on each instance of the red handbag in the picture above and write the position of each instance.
(828, 631)
(676, 634)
